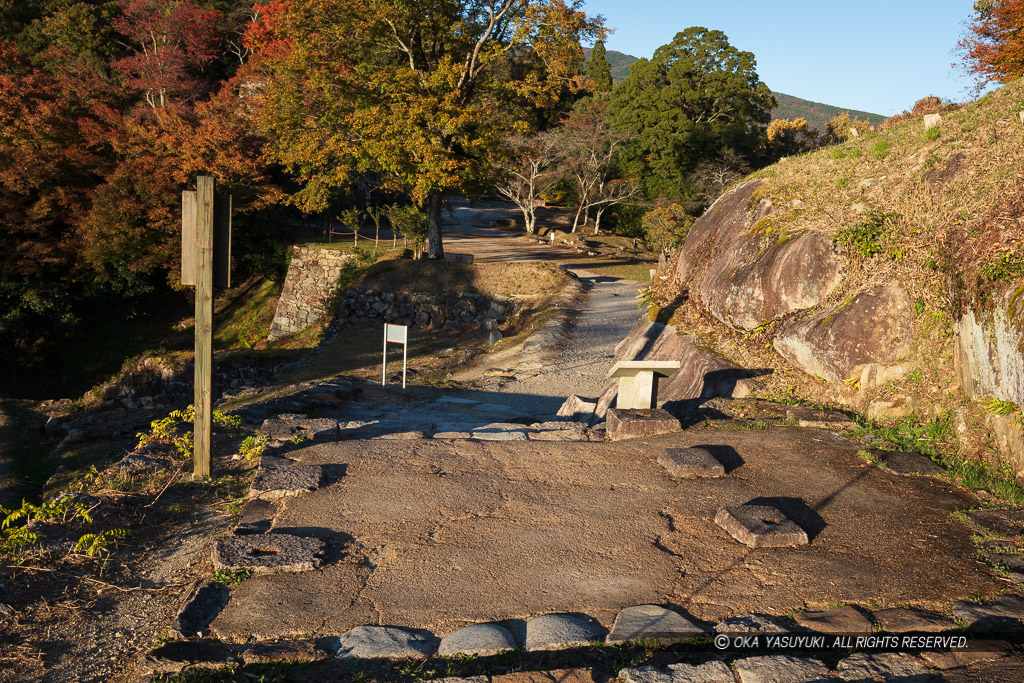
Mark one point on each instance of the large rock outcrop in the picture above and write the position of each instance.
(745, 277)
(872, 327)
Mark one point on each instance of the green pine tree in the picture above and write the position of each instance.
(599, 70)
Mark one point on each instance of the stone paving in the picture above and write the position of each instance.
(353, 512)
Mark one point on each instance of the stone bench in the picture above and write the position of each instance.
(638, 381)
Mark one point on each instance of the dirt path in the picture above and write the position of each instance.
(606, 315)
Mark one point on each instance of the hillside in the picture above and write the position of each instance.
(790, 107)
(883, 275)
(816, 113)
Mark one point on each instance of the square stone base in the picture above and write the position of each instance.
(690, 462)
(633, 423)
(760, 526)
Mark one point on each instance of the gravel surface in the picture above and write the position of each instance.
(606, 315)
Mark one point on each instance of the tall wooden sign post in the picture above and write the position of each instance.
(205, 262)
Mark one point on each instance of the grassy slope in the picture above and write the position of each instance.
(954, 207)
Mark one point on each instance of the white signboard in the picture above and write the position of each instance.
(398, 334)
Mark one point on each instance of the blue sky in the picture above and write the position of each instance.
(874, 56)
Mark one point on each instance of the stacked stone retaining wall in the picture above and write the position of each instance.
(309, 288)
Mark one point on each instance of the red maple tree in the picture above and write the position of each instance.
(993, 49)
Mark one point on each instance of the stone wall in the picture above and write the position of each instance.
(309, 288)
(165, 384)
(442, 310)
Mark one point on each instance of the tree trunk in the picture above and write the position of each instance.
(435, 249)
(597, 221)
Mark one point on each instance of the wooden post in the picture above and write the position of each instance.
(202, 427)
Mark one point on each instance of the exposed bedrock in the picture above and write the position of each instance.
(744, 277)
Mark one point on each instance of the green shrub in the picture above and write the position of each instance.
(871, 236)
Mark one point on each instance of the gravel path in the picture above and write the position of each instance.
(607, 314)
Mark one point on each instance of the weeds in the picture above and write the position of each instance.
(869, 237)
(231, 577)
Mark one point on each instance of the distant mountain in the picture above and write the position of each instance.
(620, 62)
(790, 107)
(816, 113)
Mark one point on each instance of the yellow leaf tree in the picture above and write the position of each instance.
(422, 94)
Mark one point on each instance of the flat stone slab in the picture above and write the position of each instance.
(369, 642)
(498, 435)
(629, 368)
(268, 553)
(751, 623)
(451, 435)
(908, 619)
(651, 622)
(1012, 562)
(780, 669)
(883, 666)
(992, 649)
(283, 651)
(477, 639)
(286, 428)
(639, 422)
(900, 462)
(257, 516)
(1005, 614)
(553, 676)
(561, 631)
(1002, 522)
(690, 462)
(843, 619)
(822, 419)
(760, 526)
(286, 481)
(194, 618)
(709, 672)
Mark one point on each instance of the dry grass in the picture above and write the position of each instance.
(941, 214)
(508, 280)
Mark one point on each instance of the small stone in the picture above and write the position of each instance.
(650, 622)
(780, 669)
(477, 639)
(268, 552)
(760, 526)
(286, 481)
(561, 631)
(899, 462)
(639, 422)
(367, 642)
(932, 121)
(908, 619)
(884, 666)
(838, 620)
(1004, 614)
(174, 657)
(578, 409)
(690, 462)
(751, 623)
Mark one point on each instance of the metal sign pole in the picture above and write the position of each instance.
(384, 369)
